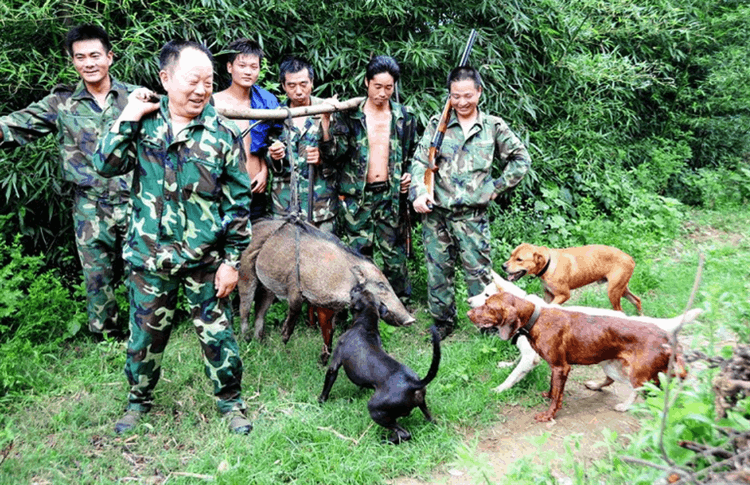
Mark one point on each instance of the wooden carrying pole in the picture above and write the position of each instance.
(283, 113)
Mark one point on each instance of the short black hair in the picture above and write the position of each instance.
(86, 32)
(170, 52)
(246, 47)
(294, 64)
(463, 73)
(379, 64)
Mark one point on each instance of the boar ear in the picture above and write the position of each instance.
(359, 275)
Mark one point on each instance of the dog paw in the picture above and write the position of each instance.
(502, 365)
(622, 407)
(546, 394)
(544, 417)
(500, 388)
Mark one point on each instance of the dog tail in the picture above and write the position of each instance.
(432, 373)
(671, 324)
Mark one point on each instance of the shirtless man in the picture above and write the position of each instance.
(373, 175)
(243, 65)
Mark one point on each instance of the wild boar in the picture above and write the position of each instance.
(295, 261)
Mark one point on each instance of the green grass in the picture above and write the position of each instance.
(64, 434)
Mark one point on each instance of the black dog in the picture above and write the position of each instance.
(398, 389)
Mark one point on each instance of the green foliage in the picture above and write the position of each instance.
(616, 100)
(37, 313)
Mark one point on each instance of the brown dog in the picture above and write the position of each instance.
(562, 270)
(629, 351)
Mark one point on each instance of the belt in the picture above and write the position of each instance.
(376, 187)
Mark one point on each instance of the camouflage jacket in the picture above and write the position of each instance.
(74, 115)
(325, 190)
(464, 176)
(349, 148)
(190, 191)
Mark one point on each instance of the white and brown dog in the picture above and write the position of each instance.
(629, 351)
(530, 359)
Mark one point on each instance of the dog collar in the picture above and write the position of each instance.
(544, 270)
(529, 325)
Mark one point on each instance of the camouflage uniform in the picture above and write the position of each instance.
(190, 213)
(464, 186)
(325, 196)
(372, 217)
(101, 205)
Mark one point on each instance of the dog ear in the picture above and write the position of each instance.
(383, 310)
(358, 304)
(539, 261)
(509, 322)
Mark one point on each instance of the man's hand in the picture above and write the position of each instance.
(258, 184)
(405, 182)
(277, 150)
(420, 204)
(313, 155)
(225, 280)
(325, 118)
(141, 102)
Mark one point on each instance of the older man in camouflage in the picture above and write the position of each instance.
(373, 144)
(299, 147)
(78, 114)
(189, 225)
(455, 220)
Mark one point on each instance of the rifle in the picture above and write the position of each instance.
(437, 138)
(403, 204)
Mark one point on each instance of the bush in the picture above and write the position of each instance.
(37, 313)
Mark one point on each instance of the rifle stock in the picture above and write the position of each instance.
(437, 138)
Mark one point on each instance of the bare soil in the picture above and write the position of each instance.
(584, 413)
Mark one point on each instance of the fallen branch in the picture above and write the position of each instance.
(338, 435)
(283, 113)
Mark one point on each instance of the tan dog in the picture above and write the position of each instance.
(562, 270)
(629, 351)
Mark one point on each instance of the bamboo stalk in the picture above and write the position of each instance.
(282, 113)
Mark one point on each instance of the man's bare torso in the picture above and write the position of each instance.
(378, 124)
(225, 99)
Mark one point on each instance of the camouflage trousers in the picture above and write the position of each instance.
(447, 236)
(153, 298)
(100, 231)
(374, 222)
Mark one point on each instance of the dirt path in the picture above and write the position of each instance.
(584, 413)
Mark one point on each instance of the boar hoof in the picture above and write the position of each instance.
(324, 357)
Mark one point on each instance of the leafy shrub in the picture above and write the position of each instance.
(37, 312)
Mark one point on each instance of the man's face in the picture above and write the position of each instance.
(380, 88)
(465, 97)
(244, 70)
(91, 60)
(298, 87)
(188, 83)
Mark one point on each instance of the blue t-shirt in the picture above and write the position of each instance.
(262, 99)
